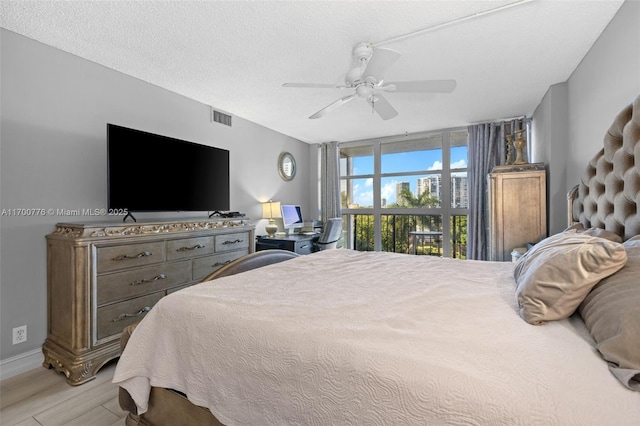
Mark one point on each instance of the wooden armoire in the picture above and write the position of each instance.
(517, 208)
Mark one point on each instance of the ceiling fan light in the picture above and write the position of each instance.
(364, 91)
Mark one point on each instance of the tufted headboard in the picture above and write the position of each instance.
(608, 195)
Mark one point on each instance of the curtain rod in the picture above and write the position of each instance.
(455, 21)
(520, 117)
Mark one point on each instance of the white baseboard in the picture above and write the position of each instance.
(20, 363)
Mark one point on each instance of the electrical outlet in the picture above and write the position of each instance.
(19, 334)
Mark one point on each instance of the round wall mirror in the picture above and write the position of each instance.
(287, 166)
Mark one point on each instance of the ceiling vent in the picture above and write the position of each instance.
(220, 117)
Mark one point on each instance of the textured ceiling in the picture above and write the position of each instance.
(235, 55)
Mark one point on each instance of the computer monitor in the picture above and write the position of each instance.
(291, 217)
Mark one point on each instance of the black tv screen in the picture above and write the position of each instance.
(149, 172)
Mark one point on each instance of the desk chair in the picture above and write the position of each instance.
(330, 235)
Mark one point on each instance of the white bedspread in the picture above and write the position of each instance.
(342, 337)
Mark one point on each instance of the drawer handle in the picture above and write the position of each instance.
(137, 314)
(145, 280)
(233, 242)
(139, 255)
(197, 246)
(304, 246)
(215, 265)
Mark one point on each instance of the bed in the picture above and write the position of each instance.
(345, 337)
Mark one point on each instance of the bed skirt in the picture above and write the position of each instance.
(166, 407)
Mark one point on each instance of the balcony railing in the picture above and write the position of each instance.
(411, 234)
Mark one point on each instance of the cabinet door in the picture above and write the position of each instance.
(518, 211)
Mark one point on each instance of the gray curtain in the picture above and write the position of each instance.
(487, 148)
(330, 180)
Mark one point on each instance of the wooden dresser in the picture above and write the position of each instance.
(103, 277)
(517, 203)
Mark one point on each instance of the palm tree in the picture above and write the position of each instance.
(406, 199)
(396, 229)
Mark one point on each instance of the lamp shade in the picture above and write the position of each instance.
(271, 209)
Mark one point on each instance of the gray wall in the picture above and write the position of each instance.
(607, 80)
(55, 107)
(550, 133)
(573, 117)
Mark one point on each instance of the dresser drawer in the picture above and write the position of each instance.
(125, 256)
(203, 266)
(303, 247)
(174, 289)
(113, 318)
(235, 241)
(189, 247)
(141, 281)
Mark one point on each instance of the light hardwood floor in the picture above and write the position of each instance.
(42, 397)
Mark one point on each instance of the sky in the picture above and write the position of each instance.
(398, 163)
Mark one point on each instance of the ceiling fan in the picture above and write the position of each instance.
(366, 78)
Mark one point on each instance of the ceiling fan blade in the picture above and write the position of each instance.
(379, 62)
(332, 106)
(313, 85)
(380, 105)
(423, 86)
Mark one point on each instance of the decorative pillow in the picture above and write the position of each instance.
(580, 229)
(612, 314)
(594, 232)
(555, 276)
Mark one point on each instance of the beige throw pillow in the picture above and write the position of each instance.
(611, 312)
(556, 274)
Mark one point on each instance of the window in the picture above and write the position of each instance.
(357, 191)
(406, 196)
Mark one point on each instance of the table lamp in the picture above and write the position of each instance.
(271, 210)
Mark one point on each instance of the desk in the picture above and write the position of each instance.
(298, 243)
(434, 238)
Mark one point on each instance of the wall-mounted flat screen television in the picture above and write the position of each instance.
(150, 173)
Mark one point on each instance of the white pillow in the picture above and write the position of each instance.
(556, 274)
